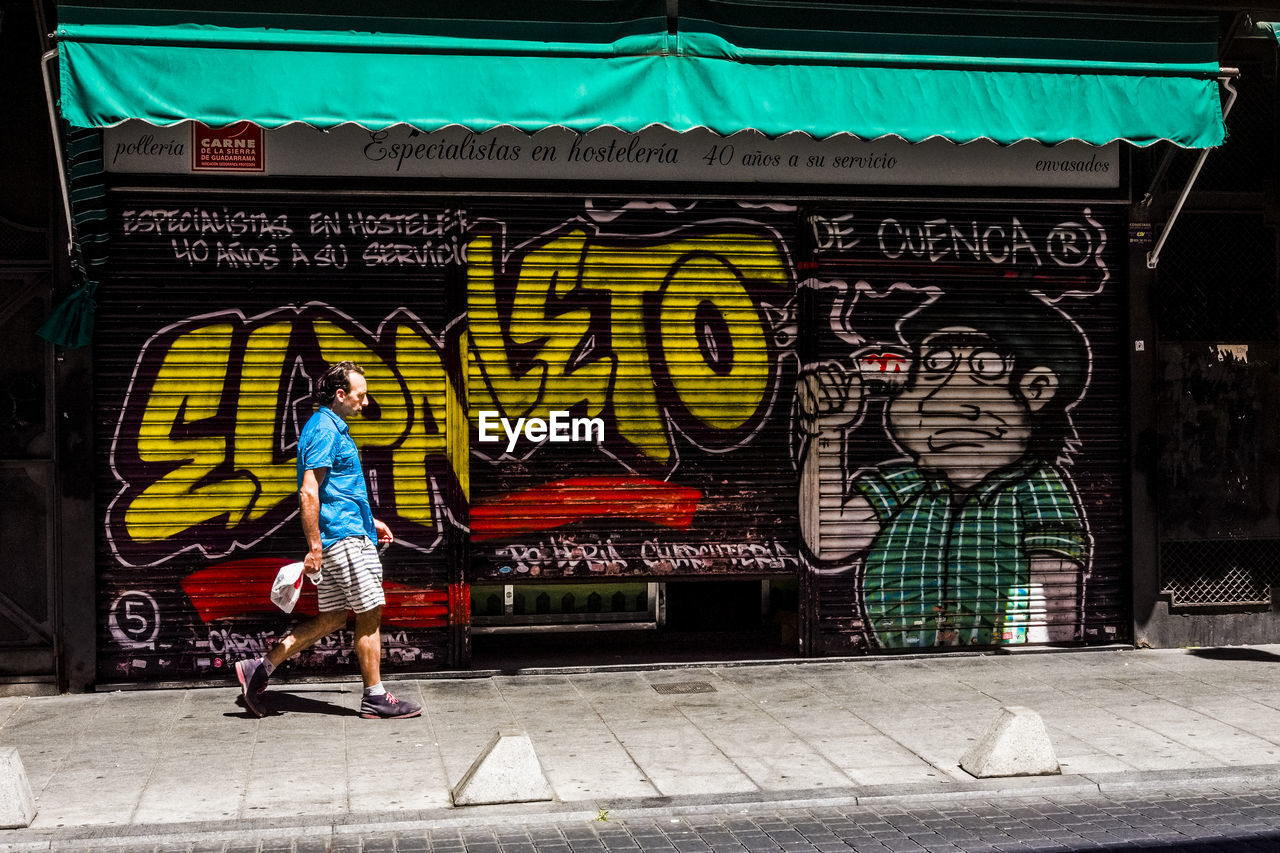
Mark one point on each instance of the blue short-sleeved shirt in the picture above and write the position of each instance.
(344, 500)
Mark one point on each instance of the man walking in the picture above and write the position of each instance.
(341, 532)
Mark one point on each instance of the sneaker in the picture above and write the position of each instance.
(387, 707)
(253, 685)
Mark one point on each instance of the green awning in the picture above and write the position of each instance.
(817, 68)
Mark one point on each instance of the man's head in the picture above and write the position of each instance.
(343, 389)
(992, 379)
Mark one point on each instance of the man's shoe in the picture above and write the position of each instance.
(253, 684)
(384, 706)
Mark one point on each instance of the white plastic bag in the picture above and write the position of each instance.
(287, 586)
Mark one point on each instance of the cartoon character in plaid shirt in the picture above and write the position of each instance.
(977, 536)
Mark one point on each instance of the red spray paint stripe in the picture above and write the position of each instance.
(243, 588)
(563, 502)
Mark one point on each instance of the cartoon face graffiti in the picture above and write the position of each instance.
(961, 414)
(979, 528)
(992, 378)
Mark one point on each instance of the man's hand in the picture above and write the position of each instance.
(385, 536)
(311, 562)
(828, 396)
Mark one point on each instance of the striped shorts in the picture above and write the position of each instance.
(351, 576)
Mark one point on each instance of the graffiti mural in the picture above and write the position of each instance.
(658, 338)
(671, 330)
(902, 407)
(217, 321)
(678, 340)
(936, 426)
(204, 449)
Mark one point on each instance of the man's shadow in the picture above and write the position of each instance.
(286, 702)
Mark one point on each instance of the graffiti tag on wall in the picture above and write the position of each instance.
(663, 337)
(204, 448)
(1066, 257)
(323, 241)
(947, 442)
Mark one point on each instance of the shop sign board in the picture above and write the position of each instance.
(237, 148)
(605, 154)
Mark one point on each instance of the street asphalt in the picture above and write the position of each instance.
(121, 768)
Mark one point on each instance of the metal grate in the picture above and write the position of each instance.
(680, 688)
(21, 244)
(1220, 572)
(1217, 281)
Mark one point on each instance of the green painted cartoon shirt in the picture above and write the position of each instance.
(961, 559)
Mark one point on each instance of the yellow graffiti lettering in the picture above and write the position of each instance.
(256, 408)
(547, 276)
(213, 431)
(629, 273)
(721, 397)
(385, 389)
(515, 395)
(628, 276)
(187, 390)
(694, 275)
(437, 413)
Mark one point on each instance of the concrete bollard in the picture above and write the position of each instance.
(506, 771)
(17, 805)
(1016, 744)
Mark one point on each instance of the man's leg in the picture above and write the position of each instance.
(305, 635)
(377, 703)
(369, 645)
(253, 673)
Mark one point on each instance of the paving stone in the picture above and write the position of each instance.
(413, 844)
(899, 844)
(692, 846)
(311, 845)
(483, 847)
(511, 835)
(344, 845)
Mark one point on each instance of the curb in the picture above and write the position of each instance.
(647, 808)
(472, 674)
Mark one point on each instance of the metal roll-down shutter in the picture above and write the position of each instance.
(969, 487)
(217, 314)
(658, 338)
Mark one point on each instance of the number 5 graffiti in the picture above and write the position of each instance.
(134, 619)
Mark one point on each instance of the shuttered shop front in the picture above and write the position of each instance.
(964, 412)
(626, 370)
(915, 410)
(217, 314)
(631, 368)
